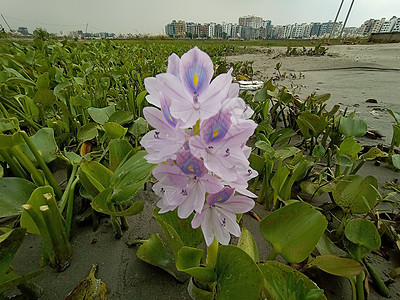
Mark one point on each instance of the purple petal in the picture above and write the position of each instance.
(215, 128)
(237, 204)
(167, 114)
(220, 197)
(228, 221)
(156, 118)
(212, 184)
(170, 175)
(198, 218)
(207, 227)
(173, 65)
(189, 164)
(196, 70)
(219, 223)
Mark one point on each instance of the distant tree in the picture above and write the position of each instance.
(41, 34)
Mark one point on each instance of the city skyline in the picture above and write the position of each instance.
(123, 16)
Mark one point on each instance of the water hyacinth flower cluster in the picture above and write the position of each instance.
(199, 143)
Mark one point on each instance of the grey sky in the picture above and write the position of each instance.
(150, 16)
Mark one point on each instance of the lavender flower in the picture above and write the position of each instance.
(200, 130)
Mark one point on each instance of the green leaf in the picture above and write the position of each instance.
(121, 117)
(20, 81)
(14, 192)
(43, 81)
(118, 150)
(102, 203)
(326, 247)
(318, 151)
(294, 230)
(281, 136)
(352, 127)
(73, 158)
(60, 87)
(265, 146)
(356, 194)
(286, 151)
(238, 277)
(248, 244)
(276, 276)
(8, 124)
(79, 101)
(395, 115)
(155, 252)
(396, 161)
(9, 244)
(114, 130)
(396, 135)
(45, 143)
(363, 232)
(139, 127)
(179, 232)
(311, 125)
(188, 260)
(87, 132)
(101, 115)
(7, 141)
(97, 174)
(373, 153)
(130, 177)
(140, 99)
(44, 97)
(261, 95)
(338, 266)
(198, 293)
(350, 147)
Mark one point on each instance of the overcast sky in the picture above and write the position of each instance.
(150, 16)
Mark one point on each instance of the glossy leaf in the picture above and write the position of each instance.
(102, 203)
(97, 174)
(356, 194)
(363, 232)
(338, 266)
(139, 127)
(188, 260)
(373, 153)
(238, 277)
(276, 282)
(155, 252)
(352, 127)
(179, 232)
(311, 125)
(45, 143)
(248, 244)
(118, 149)
(130, 177)
(197, 293)
(101, 115)
(121, 117)
(351, 147)
(14, 192)
(87, 132)
(114, 130)
(294, 230)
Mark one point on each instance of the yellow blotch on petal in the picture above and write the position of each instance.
(191, 169)
(215, 133)
(220, 199)
(195, 79)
